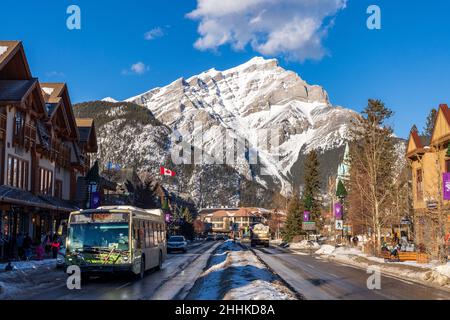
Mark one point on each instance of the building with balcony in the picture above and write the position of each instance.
(222, 220)
(429, 159)
(42, 149)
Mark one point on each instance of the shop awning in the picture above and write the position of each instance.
(21, 197)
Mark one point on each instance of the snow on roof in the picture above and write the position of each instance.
(3, 49)
(48, 90)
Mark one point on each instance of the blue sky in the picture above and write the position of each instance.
(406, 63)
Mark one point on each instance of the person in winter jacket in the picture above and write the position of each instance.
(40, 252)
(55, 247)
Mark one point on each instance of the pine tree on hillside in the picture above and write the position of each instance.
(429, 125)
(311, 190)
(293, 226)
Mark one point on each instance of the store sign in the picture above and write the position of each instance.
(338, 210)
(306, 216)
(339, 225)
(446, 185)
(309, 226)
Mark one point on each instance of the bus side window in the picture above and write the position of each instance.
(148, 242)
(152, 240)
(155, 233)
(141, 234)
(145, 234)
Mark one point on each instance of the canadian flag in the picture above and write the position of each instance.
(166, 172)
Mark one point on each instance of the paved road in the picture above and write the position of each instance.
(320, 279)
(169, 283)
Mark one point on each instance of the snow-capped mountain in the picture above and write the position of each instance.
(246, 100)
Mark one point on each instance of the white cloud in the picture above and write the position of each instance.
(136, 68)
(290, 28)
(55, 74)
(154, 33)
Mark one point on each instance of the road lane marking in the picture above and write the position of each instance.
(123, 286)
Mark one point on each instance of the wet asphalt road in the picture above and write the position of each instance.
(125, 287)
(320, 279)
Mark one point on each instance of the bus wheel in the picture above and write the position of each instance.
(142, 273)
(160, 262)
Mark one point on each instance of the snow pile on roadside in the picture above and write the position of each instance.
(17, 281)
(234, 273)
(29, 265)
(325, 249)
(431, 273)
(305, 244)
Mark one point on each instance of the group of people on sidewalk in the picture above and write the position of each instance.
(23, 248)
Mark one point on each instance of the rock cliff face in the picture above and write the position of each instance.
(256, 98)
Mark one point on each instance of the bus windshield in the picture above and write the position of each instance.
(99, 236)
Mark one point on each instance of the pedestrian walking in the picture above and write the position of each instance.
(55, 246)
(40, 251)
(47, 243)
(20, 248)
(26, 246)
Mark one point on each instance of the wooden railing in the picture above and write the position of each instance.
(2, 127)
(25, 136)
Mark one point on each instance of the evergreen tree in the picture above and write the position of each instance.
(429, 125)
(311, 190)
(294, 221)
(341, 191)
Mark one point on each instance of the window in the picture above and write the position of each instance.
(58, 189)
(419, 184)
(17, 174)
(19, 123)
(45, 181)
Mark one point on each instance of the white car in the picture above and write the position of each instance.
(176, 243)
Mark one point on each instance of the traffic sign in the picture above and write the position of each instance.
(339, 225)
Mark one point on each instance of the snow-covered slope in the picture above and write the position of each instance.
(258, 95)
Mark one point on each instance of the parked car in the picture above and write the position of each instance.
(210, 238)
(60, 258)
(176, 243)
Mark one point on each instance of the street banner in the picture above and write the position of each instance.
(166, 172)
(446, 185)
(168, 218)
(339, 225)
(338, 211)
(95, 200)
(306, 216)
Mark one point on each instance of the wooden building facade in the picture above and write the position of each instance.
(41, 152)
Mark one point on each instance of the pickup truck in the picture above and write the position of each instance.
(259, 235)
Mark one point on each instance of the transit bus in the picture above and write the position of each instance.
(116, 239)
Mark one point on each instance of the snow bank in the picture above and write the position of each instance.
(326, 249)
(305, 244)
(432, 273)
(29, 265)
(22, 277)
(234, 273)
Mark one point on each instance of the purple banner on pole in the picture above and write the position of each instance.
(95, 200)
(168, 217)
(306, 216)
(338, 211)
(446, 185)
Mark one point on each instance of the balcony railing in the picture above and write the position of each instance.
(2, 127)
(25, 136)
